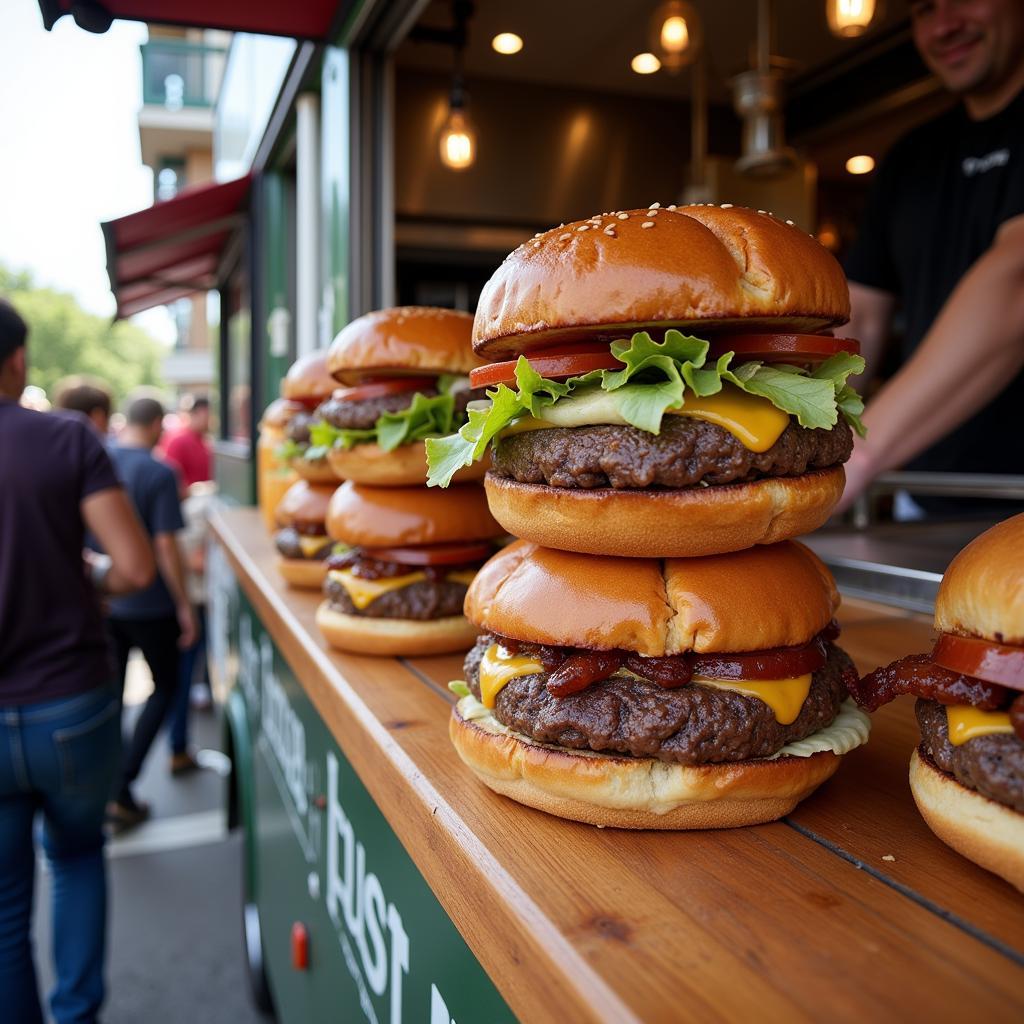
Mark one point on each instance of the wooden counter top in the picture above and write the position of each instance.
(802, 919)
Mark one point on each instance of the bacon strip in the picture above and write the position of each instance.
(917, 674)
(579, 670)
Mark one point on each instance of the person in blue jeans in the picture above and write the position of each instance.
(59, 701)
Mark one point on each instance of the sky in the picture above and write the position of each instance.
(69, 157)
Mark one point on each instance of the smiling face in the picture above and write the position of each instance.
(973, 46)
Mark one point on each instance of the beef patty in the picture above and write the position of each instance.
(298, 427)
(427, 599)
(363, 415)
(286, 541)
(692, 724)
(686, 452)
(992, 765)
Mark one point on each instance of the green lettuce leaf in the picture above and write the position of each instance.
(289, 449)
(459, 688)
(423, 417)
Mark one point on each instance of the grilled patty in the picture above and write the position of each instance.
(687, 452)
(363, 415)
(692, 724)
(427, 599)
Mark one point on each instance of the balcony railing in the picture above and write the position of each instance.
(177, 74)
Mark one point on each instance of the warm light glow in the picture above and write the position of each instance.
(850, 18)
(645, 64)
(862, 164)
(828, 235)
(458, 141)
(675, 36)
(507, 42)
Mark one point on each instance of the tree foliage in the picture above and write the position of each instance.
(64, 339)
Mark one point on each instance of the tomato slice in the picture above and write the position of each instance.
(434, 554)
(553, 365)
(779, 663)
(983, 659)
(783, 348)
(383, 386)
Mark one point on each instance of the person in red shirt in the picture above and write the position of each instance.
(188, 449)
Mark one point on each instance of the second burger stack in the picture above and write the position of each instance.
(665, 412)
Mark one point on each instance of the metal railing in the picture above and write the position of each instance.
(177, 73)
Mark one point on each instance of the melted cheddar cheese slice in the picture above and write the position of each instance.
(784, 696)
(311, 545)
(498, 667)
(364, 592)
(465, 577)
(752, 420)
(965, 723)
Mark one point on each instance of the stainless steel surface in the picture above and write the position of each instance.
(954, 485)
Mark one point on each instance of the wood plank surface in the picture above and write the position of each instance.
(574, 923)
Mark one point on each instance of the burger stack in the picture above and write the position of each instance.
(665, 410)
(402, 555)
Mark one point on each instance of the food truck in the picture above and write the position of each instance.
(390, 152)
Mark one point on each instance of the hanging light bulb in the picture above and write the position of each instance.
(675, 34)
(850, 18)
(458, 140)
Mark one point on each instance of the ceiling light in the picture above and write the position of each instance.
(862, 164)
(645, 64)
(674, 34)
(458, 141)
(507, 43)
(850, 18)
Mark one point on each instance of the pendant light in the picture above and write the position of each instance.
(675, 34)
(458, 135)
(850, 18)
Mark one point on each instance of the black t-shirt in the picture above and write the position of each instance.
(940, 197)
(52, 642)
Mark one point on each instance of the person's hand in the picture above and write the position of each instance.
(861, 469)
(187, 625)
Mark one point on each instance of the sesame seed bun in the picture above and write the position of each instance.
(394, 638)
(303, 505)
(303, 573)
(700, 268)
(651, 523)
(403, 467)
(986, 832)
(401, 516)
(307, 378)
(635, 792)
(982, 592)
(765, 597)
(403, 340)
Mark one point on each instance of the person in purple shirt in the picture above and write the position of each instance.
(59, 701)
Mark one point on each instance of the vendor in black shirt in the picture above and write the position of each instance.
(944, 236)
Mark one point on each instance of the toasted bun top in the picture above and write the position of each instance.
(698, 267)
(304, 504)
(279, 413)
(307, 378)
(377, 517)
(404, 339)
(982, 592)
(774, 596)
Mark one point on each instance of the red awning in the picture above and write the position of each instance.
(172, 249)
(307, 19)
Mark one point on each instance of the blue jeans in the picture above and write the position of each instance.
(61, 758)
(181, 708)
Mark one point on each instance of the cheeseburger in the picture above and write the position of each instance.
(661, 382)
(967, 775)
(404, 375)
(301, 539)
(307, 383)
(687, 693)
(274, 475)
(401, 587)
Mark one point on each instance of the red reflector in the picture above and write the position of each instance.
(300, 946)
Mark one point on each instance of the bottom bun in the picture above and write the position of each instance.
(405, 466)
(362, 634)
(303, 573)
(315, 471)
(980, 829)
(634, 792)
(653, 523)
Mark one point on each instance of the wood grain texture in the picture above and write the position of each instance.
(575, 923)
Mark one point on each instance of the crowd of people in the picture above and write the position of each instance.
(102, 540)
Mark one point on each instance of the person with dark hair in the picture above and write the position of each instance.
(188, 449)
(159, 620)
(88, 395)
(59, 705)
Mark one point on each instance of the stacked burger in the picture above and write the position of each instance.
(665, 409)
(408, 554)
(967, 775)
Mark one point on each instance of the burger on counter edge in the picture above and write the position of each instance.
(967, 775)
(661, 363)
(639, 693)
(301, 538)
(306, 384)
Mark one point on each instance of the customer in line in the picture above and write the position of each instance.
(158, 620)
(59, 707)
(88, 395)
(187, 448)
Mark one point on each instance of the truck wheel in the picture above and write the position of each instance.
(254, 963)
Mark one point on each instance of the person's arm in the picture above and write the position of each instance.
(172, 571)
(974, 348)
(109, 516)
(870, 317)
